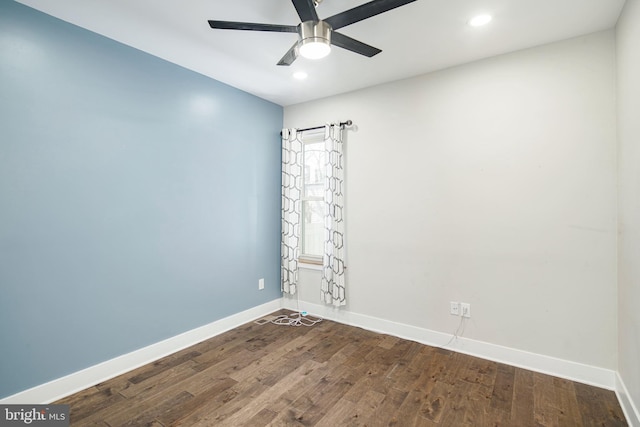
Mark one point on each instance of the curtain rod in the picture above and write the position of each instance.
(342, 124)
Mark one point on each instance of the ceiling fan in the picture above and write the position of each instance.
(315, 35)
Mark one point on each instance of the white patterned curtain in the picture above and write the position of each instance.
(332, 288)
(291, 212)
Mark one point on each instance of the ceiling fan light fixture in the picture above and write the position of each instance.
(315, 39)
(314, 49)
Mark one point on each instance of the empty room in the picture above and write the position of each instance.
(320, 213)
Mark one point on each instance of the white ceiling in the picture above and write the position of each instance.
(417, 38)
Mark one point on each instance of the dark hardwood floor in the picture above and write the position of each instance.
(335, 375)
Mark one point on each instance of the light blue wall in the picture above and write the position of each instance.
(138, 199)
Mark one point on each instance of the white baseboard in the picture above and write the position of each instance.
(628, 407)
(599, 377)
(67, 385)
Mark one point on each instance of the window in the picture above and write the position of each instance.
(312, 230)
(313, 209)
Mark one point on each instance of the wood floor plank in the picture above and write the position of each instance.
(190, 418)
(245, 393)
(431, 405)
(343, 413)
(315, 404)
(479, 371)
(522, 408)
(120, 412)
(567, 404)
(544, 398)
(312, 405)
(274, 360)
(393, 359)
(347, 413)
(262, 418)
(152, 413)
(328, 345)
(200, 400)
(502, 396)
(424, 399)
(365, 376)
(388, 342)
(257, 404)
(408, 369)
(475, 405)
(161, 365)
(283, 404)
(390, 405)
(239, 342)
(598, 407)
(155, 384)
(330, 388)
(466, 400)
(92, 400)
(335, 375)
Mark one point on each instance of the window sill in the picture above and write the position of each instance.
(310, 264)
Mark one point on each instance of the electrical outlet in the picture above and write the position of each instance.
(466, 309)
(261, 284)
(454, 308)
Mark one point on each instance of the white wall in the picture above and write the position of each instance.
(492, 183)
(628, 55)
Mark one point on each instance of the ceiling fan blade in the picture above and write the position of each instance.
(290, 56)
(364, 11)
(353, 45)
(306, 10)
(230, 25)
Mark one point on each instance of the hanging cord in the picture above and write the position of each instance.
(300, 318)
(296, 319)
(459, 331)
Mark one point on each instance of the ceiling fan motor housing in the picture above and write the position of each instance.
(315, 39)
(315, 32)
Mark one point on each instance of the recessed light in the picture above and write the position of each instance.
(480, 20)
(300, 75)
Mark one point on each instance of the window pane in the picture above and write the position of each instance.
(314, 169)
(313, 236)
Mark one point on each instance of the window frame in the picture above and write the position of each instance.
(308, 138)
